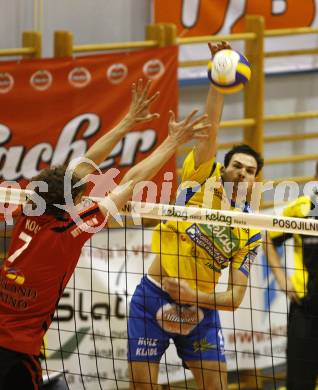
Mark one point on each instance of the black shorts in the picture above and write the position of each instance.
(19, 371)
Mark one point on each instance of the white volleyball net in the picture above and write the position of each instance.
(87, 341)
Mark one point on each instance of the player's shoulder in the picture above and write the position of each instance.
(300, 207)
(208, 168)
(250, 237)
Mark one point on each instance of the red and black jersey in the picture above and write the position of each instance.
(43, 254)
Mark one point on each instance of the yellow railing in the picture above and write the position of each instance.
(157, 35)
(31, 46)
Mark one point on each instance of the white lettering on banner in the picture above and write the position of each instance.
(190, 12)
(193, 10)
(198, 17)
(17, 162)
(66, 147)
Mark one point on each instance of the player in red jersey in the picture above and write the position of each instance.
(45, 249)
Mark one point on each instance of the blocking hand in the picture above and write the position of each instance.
(139, 111)
(189, 128)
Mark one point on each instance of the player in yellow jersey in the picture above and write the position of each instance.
(300, 282)
(177, 298)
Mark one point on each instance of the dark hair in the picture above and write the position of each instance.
(54, 177)
(245, 149)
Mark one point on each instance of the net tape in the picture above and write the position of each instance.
(308, 226)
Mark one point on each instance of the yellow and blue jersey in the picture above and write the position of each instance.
(197, 253)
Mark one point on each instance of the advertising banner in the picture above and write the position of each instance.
(52, 110)
(219, 17)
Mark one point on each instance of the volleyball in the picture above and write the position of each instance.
(229, 71)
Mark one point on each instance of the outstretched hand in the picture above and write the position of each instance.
(189, 128)
(215, 47)
(139, 111)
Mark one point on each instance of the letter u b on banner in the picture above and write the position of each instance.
(208, 17)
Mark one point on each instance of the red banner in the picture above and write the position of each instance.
(219, 17)
(53, 110)
(209, 17)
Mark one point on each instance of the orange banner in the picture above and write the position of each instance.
(209, 17)
(219, 17)
(53, 110)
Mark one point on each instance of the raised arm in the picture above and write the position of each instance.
(139, 112)
(179, 133)
(203, 150)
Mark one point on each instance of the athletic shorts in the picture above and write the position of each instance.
(19, 371)
(154, 319)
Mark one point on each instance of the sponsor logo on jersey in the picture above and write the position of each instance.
(223, 237)
(203, 345)
(248, 261)
(204, 242)
(14, 274)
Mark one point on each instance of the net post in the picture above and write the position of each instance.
(63, 44)
(254, 90)
(32, 39)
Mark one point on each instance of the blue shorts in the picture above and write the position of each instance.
(148, 341)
